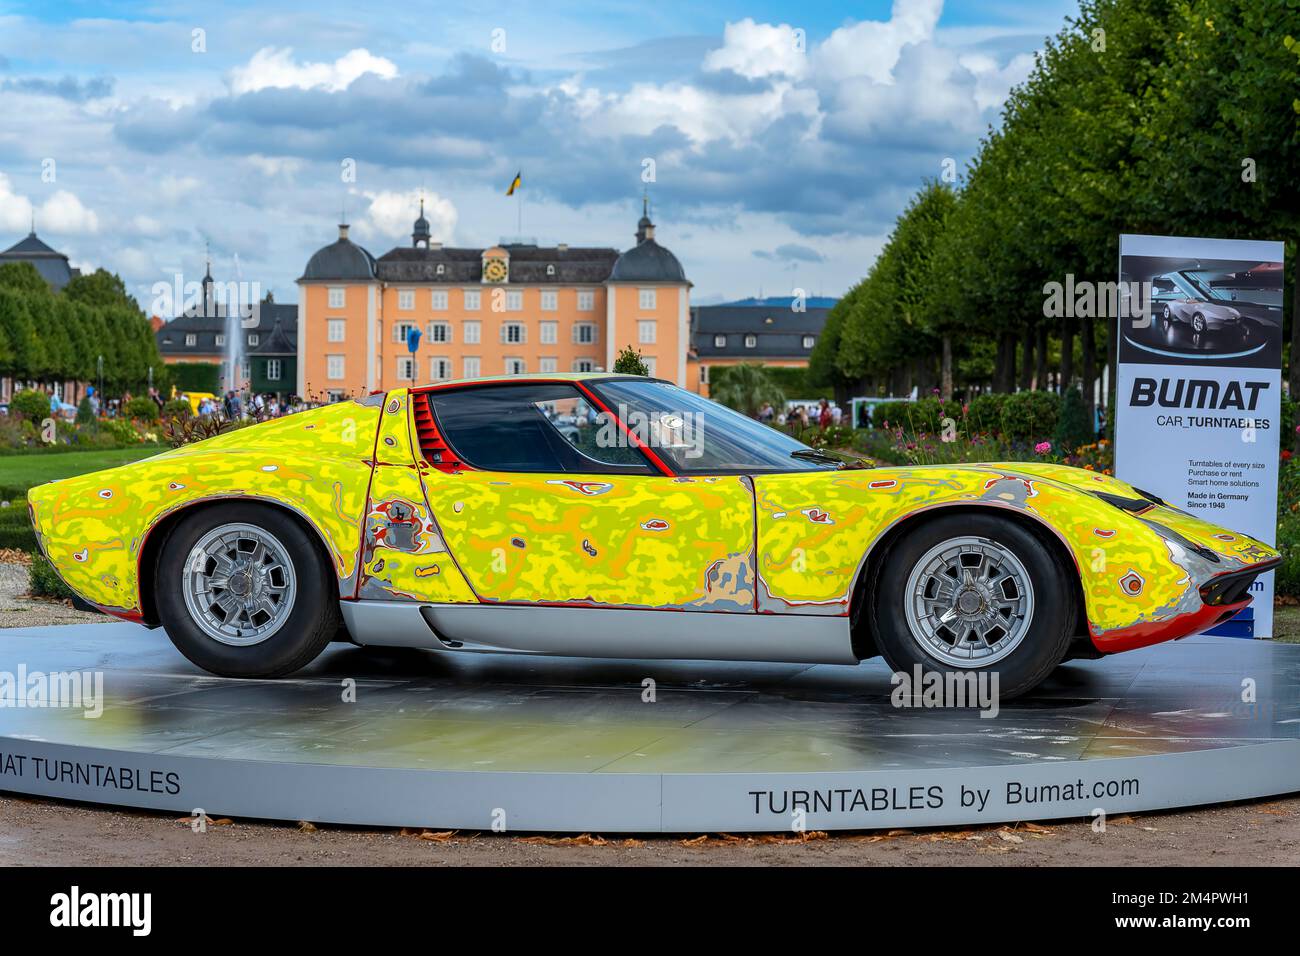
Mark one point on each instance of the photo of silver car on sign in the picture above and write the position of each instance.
(1177, 297)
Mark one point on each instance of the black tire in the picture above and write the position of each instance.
(313, 617)
(1051, 626)
(1198, 323)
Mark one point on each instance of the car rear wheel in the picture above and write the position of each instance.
(243, 591)
(1198, 323)
(975, 592)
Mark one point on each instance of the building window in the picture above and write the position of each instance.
(221, 340)
(584, 333)
(334, 330)
(586, 300)
(254, 339)
(514, 301)
(645, 332)
(751, 341)
(550, 269)
(473, 366)
(548, 365)
(338, 298)
(335, 395)
(473, 300)
(584, 365)
(405, 368)
(473, 332)
(515, 366)
(406, 299)
(245, 371)
(400, 331)
(439, 369)
(649, 364)
(550, 300)
(549, 332)
(442, 269)
(512, 333)
(646, 299)
(191, 339)
(273, 369)
(704, 375)
(809, 341)
(439, 331)
(719, 341)
(334, 366)
(438, 299)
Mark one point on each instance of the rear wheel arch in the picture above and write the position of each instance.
(158, 533)
(864, 588)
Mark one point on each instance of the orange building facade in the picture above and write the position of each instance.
(513, 308)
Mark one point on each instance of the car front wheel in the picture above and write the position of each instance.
(243, 591)
(975, 592)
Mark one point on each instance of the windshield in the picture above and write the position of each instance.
(693, 434)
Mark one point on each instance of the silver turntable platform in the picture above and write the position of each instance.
(447, 740)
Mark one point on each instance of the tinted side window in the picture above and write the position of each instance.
(531, 428)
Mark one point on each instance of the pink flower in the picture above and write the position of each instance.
(1043, 447)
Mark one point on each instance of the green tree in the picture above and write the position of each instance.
(745, 387)
(630, 362)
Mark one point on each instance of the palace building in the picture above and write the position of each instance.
(267, 353)
(776, 331)
(511, 309)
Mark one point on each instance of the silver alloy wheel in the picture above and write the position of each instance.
(239, 584)
(969, 602)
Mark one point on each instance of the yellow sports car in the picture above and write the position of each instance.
(618, 516)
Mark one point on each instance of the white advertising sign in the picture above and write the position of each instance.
(1198, 406)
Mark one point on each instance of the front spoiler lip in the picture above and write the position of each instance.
(1146, 633)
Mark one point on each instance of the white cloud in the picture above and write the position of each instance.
(392, 214)
(756, 50)
(172, 188)
(703, 115)
(992, 82)
(271, 68)
(62, 213)
(15, 210)
(272, 166)
(871, 48)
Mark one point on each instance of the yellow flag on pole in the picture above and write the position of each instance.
(514, 184)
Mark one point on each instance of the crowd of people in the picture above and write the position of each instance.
(822, 415)
(256, 405)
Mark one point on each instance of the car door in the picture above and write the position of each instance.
(543, 498)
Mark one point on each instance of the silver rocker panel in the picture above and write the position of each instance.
(602, 632)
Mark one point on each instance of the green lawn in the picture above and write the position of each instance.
(20, 472)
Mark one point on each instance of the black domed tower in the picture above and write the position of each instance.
(420, 237)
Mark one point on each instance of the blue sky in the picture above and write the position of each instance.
(785, 138)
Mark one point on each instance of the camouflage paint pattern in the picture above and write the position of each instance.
(317, 463)
(609, 540)
(792, 543)
(403, 556)
(814, 530)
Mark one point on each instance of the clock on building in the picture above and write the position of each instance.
(495, 270)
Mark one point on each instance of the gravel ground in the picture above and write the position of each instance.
(18, 609)
(47, 832)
